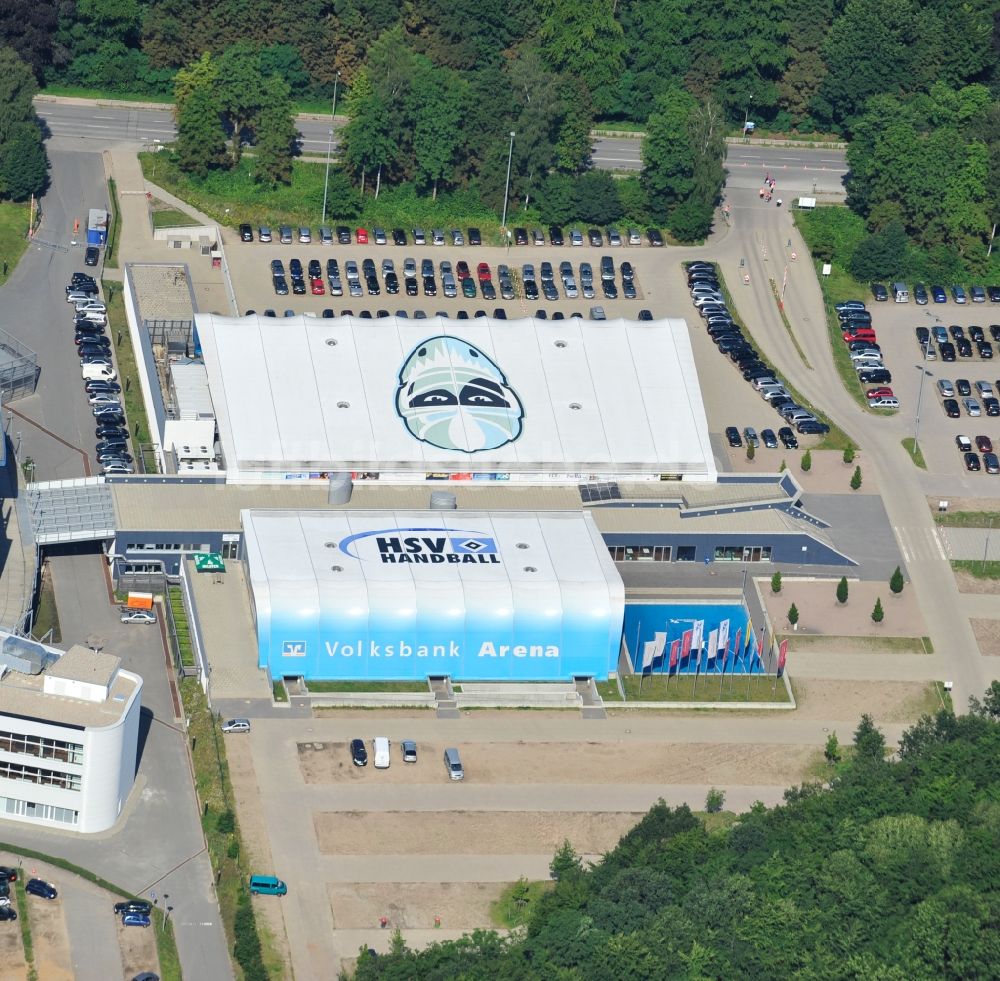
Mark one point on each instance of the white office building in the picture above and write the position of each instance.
(69, 728)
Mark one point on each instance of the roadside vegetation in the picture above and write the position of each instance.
(114, 226)
(686, 688)
(13, 236)
(968, 519)
(978, 568)
(914, 452)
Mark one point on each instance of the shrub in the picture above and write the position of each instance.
(714, 801)
(751, 452)
(878, 614)
(246, 948)
(225, 823)
(807, 461)
(856, 479)
(832, 749)
(776, 582)
(896, 582)
(849, 454)
(793, 614)
(842, 590)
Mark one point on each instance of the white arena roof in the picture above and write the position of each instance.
(530, 400)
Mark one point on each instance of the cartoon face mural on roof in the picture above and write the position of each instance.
(453, 396)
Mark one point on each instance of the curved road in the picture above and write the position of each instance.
(802, 169)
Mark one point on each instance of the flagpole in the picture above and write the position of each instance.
(638, 627)
(763, 631)
(722, 679)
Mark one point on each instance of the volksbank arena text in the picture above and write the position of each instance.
(399, 595)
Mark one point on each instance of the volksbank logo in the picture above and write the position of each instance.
(426, 546)
(293, 648)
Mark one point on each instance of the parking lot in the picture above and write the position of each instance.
(896, 325)
(355, 844)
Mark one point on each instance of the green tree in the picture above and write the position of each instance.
(597, 198)
(24, 165)
(275, 133)
(776, 582)
(793, 614)
(565, 864)
(201, 143)
(882, 255)
(807, 461)
(241, 92)
(856, 479)
(668, 157)
(842, 590)
(751, 452)
(809, 22)
(715, 800)
(366, 138)
(878, 614)
(869, 743)
(586, 41)
(831, 751)
(656, 35)
(896, 581)
(437, 131)
(201, 74)
(17, 89)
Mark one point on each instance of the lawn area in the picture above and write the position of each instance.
(181, 627)
(114, 227)
(13, 236)
(172, 218)
(516, 904)
(363, 686)
(915, 453)
(989, 569)
(46, 614)
(968, 519)
(860, 645)
(705, 688)
(79, 92)
(135, 410)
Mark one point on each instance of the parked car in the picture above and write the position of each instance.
(409, 750)
(133, 906)
(359, 754)
(135, 919)
(236, 725)
(733, 436)
(39, 887)
(138, 616)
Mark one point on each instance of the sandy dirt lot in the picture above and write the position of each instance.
(820, 613)
(988, 636)
(884, 701)
(138, 947)
(469, 832)
(50, 939)
(12, 966)
(413, 905)
(575, 763)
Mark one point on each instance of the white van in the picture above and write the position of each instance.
(380, 746)
(900, 293)
(98, 371)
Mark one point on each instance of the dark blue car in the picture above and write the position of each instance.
(38, 887)
(938, 294)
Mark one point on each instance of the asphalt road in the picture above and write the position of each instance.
(796, 168)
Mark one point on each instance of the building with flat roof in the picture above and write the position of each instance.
(407, 401)
(69, 732)
(400, 595)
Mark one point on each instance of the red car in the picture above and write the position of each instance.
(462, 269)
(483, 272)
(984, 444)
(860, 335)
(362, 236)
(317, 287)
(882, 392)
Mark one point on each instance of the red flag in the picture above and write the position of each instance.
(675, 650)
(782, 656)
(686, 644)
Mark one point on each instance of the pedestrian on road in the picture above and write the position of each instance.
(779, 202)
(761, 193)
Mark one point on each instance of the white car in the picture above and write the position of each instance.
(103, 398)
(138, 616)
(236, 725)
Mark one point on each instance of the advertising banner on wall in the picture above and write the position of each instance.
(400, 595)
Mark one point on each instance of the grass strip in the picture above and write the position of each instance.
(114, 228)
(81, 92)
(968, 519)
(787, 323)
(363, 686)
(24, 920)
(515, 906)
(914, 452)
(13, 237)
(990, 569)
(836, 438)
(705, 688)
(278, 691)
(172, 218)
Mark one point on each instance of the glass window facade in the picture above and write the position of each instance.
(46, 749)
(43, 812)
(36, 774)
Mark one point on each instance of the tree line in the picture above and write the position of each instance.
(887, 871)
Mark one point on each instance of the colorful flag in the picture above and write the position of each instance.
(736, 649)
(660, 642)
(698, 638)
(685, 645)
(782, 657)
(675, 653)
(648, 650)
(723, 638)
(713, 646)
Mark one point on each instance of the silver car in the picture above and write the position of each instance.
(236, 725)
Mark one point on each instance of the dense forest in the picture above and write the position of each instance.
(889, 872)
(434, 88)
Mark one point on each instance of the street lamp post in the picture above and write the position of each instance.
(506, 190)
(329, 145)
(920, 395)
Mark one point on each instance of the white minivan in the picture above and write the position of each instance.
(380, 745)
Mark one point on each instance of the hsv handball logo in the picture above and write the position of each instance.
(453, 396)
(423, 546)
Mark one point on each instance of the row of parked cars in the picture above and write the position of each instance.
(709, 300)
(93, 346)
(990, 462)
(499, 313)
(901, 294)
(951, 343)
(459, 277)
(978, 398)
(866, 354)
(342, 235)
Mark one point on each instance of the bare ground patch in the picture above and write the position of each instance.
(50, 940)
(12, 965)
(847, 701)
(571, 763)
(413, 905)
(987, 636)
(138, 947)
(469, 832)
(968, 583)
